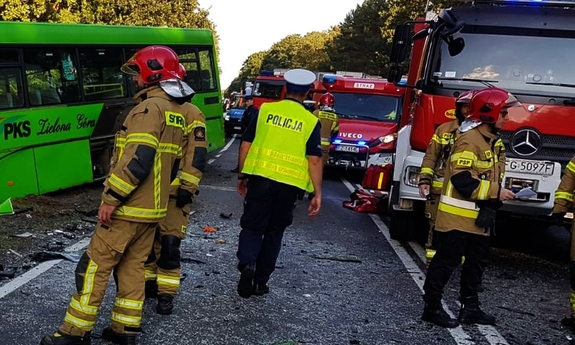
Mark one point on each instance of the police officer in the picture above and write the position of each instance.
(134, 200)
(280, 155)
(434, 162)
(163, 266)
(564, 203)
(250, 113)
(329, 123)
(471, 193)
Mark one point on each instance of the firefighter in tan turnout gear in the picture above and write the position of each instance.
(471, 194)
(329, 123)
(134, 200)
(163, 265)
(564, 203)
(434, 163)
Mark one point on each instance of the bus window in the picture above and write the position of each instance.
(192, 75)
(11, 90)
(102, 78)
(52, 76)
(187, 54)
(9, 56)
(207, 79)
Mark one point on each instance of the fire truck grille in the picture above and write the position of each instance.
(553, 148)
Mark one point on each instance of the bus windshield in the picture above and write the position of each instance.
(268, 88)
(527, 64)
(368, 107)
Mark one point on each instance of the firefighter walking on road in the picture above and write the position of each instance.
(434, 163)
(280, 155)
(564, 203)
(163, 265)
(329, 123)
(472, 192)
(134, 200)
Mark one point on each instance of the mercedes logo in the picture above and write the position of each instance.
(526, 142)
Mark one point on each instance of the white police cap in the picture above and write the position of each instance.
(299, 79)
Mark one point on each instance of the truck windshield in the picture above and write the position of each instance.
(530, 64)
(268, 89)
(366, 106)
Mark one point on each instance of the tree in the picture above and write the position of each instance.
(249, 70)
(360, 46)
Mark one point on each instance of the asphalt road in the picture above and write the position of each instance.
(314, 300)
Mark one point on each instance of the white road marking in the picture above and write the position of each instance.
(224, 149)
(38, 270)
(225, 189)
(458, 334)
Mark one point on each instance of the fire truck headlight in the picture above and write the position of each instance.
(388, 138)
(412, 176)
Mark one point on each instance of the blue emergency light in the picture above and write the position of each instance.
(337, 141)
(361, 143)
(265, 73)
(329, 78)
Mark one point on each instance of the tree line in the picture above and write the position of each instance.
(360, 43)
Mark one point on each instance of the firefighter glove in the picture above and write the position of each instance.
(183, 198)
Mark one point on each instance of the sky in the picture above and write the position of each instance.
(249, 26)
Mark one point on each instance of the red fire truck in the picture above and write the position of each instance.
(521, 46)
(369, 112)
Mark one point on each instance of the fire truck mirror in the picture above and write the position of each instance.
(394, 74)
(401, 43)
(455, 46)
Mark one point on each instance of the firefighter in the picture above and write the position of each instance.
(471, 193)
(134, 200)
(434, 162)
(163, 266)
(329, 123)
(280, 155)
(250, 113)
(564, 203)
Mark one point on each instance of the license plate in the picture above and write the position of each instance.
(529, 167)
(347, 148)
(237, 127)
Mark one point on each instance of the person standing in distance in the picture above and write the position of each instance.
(280, 155)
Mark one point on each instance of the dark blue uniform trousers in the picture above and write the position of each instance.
(268, 211)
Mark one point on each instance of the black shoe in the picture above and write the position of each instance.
(439, 317)
(260, 289)
(235, 170)
(470, 313)
(151, 289)
(165, 305)
(63, 339)
(128, 338)
(246, 282)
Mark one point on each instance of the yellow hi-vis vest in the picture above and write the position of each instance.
(278, 151)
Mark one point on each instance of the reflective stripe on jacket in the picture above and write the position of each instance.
(278, 151)
(476, 155)
(146, 150)
(564, 195)
(435, 159)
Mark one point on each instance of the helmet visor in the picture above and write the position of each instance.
(130, 67)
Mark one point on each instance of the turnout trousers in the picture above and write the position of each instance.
(268, 211)
(121, 248)
(451, 246)
(163, 264)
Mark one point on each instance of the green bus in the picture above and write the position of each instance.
(63, 98)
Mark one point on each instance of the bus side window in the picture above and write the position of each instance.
(11, 88)
(102, 78)
(52, 73)
(192, 75)
(207, 70)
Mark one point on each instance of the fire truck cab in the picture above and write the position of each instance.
(269, 86)
(369, 112)
(521, 46)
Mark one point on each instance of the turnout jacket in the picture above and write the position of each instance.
(329, 128)
(472, 179)
(436, 155)
(146, 150)
(564, 195)
(189, 170)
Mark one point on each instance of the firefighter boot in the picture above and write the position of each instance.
(64, 339)
(126, 338)
(245, 284)
(470, 312)
(165, 304)
(151, 289)
(260, 289)
(433, 312)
